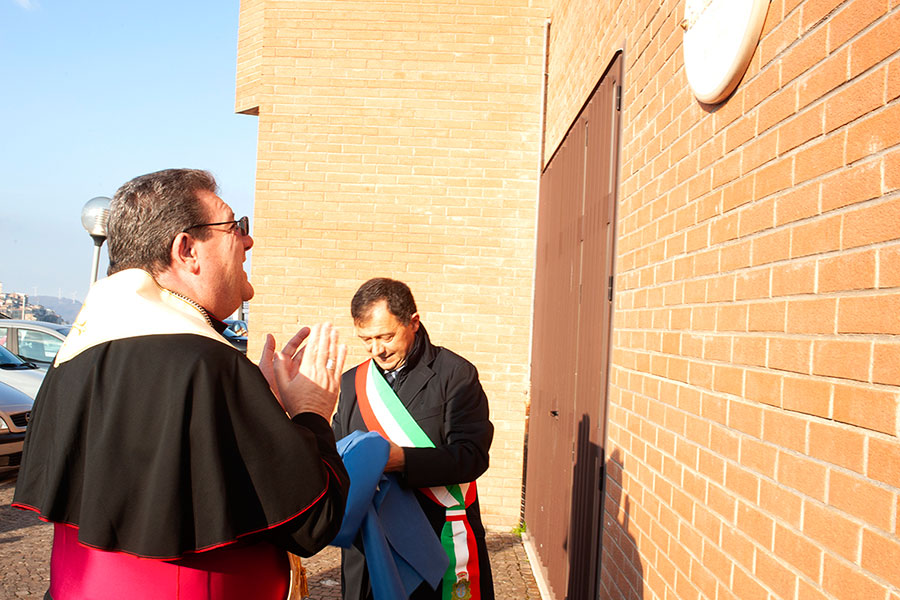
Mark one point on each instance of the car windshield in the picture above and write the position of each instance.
(8, 358)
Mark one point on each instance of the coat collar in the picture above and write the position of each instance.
(420, 371)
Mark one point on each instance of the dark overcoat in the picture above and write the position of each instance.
(442, 392)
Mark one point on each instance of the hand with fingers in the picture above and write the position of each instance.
(306, 379)
(267, 359)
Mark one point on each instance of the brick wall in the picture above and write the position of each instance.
(251, 52)
(756, 352)
(402, 139)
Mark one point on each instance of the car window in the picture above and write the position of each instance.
(37, 345)
(4, 335)
(8, 358)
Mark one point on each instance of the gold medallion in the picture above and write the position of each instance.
(461, 589)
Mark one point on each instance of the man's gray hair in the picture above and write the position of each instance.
(148, 212)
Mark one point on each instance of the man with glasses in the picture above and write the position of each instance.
(162, 455)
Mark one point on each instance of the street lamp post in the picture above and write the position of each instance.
(94, 216)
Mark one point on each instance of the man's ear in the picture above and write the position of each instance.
(414, 321)
(184, 253)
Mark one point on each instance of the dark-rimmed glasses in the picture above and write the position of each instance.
(242, 225)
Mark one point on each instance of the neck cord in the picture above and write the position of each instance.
(195, 305)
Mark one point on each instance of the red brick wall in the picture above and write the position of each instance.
(402, 139)
(756, 351)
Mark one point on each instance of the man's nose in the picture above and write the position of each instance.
(377, 347)
(248, 241)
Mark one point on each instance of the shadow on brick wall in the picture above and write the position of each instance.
(602, 556)
(621, 570)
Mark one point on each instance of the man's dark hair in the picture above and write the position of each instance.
(399, 299)
(148, 212)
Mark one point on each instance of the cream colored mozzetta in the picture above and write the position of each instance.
(130, 304)
(720, 37)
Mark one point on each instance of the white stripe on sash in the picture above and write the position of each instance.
(443, 496)
(460, 547)
(385, 418)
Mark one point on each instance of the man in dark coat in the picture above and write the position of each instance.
(159, 451)
(439, 452)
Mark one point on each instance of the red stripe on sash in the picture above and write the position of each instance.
(430, 494)
(470, 494)
(362, 399)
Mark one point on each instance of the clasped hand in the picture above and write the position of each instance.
(305, 379)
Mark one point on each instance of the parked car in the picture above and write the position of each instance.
(236, 333)
(34, 341)
(15, 412)
(23, 375)
(239, 326)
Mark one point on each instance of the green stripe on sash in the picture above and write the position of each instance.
(450, 574)
(398, 411)
(456, 492)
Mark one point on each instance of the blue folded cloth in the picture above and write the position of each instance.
(401, 548)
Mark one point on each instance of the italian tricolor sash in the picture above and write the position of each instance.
(383, 412)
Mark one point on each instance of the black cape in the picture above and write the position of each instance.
(164, 444)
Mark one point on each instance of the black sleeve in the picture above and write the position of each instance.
(340, 415)
(313, 529)
(296, 474)
(465, 434)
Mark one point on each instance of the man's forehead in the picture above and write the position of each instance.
(375, 323)
(369, 328)
(215, 204)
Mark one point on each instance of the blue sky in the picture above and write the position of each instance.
(95, 92)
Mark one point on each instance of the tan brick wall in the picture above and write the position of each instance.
(756, 351)
(402, 139)
(251, 48)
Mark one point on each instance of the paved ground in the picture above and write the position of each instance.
(24, 548)
(25, 559)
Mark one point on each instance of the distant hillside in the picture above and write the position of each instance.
(64, 307)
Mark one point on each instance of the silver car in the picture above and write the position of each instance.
(15, 412)
(23, 375)
(34, 341)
